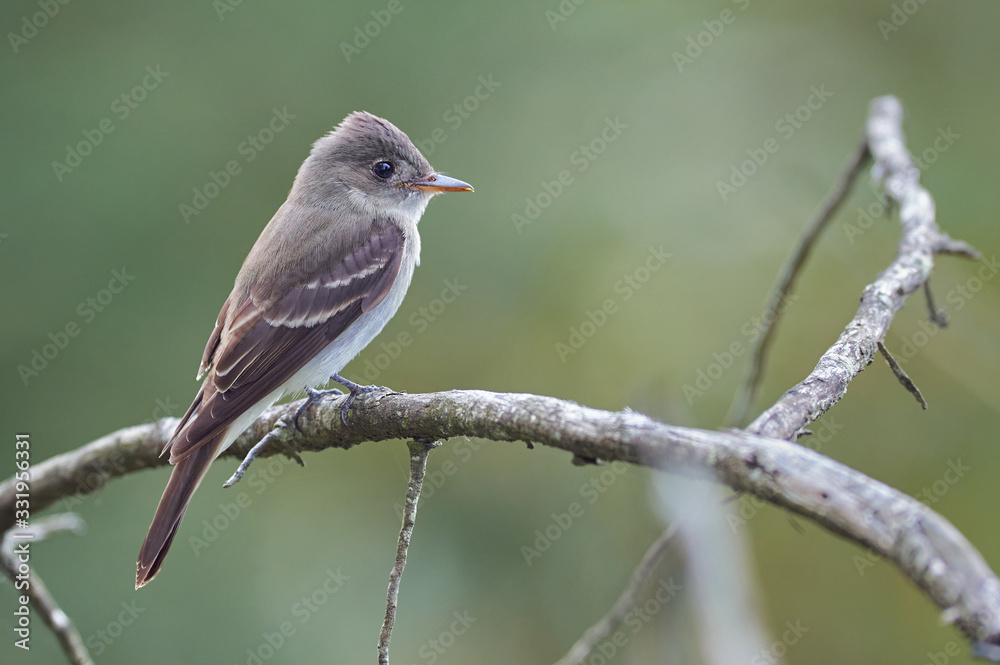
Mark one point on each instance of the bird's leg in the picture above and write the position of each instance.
(313, 396)
(354, 390)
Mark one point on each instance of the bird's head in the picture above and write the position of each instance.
(376, 165)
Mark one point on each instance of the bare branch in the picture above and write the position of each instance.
(880, 301)
(903, 377)
(744, 398)
(628, 599)
(938, 317)
(921, 543)
(41, 600)
(418, 467)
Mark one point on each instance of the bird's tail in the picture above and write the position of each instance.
(184, 480)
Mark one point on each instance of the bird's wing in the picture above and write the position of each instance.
(213, 340)
(262, 344)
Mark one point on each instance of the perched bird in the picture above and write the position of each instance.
(325, 275)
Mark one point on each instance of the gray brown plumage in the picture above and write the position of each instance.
(326, 274)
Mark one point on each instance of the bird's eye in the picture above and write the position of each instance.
(383, 170)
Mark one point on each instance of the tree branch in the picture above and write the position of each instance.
(626, 601)
(418, 468)
(744, 398)
(903, 377)
(38, 593)
(921, 240)
(921, 543)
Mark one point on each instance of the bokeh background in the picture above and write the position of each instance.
(557, 73)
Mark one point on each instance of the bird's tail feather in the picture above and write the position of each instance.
(184, 480)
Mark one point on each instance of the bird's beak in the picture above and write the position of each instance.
(441, 183)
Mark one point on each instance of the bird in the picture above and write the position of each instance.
(327, 273)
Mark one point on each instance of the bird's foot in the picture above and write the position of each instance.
(313, 396)
(353, 391)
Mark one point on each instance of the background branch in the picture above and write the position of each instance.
(745, 395)
(920, 241)
(42, 601)
(626, 601)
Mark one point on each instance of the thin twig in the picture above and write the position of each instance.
(626, 601)
(418, 467)
(41, 600)
(938, 317)
(948, 245)
(744, 398)
(281, 433)
(904, 379)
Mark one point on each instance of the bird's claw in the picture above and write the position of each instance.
(354, 390)
(312, 396)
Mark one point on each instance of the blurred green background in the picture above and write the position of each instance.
(554, 84)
